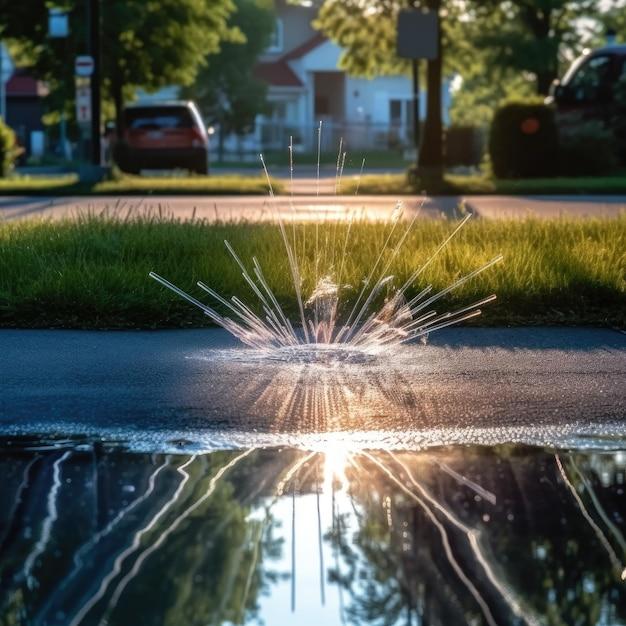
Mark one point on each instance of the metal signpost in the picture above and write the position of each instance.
(6, 70)
(94, 49)
(417, 39)
(83, 70)
(83, 103)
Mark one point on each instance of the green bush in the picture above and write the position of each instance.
(587, 149)
(523, 141)
(9, 150)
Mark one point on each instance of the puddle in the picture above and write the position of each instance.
(333, 531)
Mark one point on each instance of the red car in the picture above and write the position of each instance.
(163, 135)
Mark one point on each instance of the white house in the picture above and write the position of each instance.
(306, 86)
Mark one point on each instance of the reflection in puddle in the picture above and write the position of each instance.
(93, 534)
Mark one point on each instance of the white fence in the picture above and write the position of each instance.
(269, 136)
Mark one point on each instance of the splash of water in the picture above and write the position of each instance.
(370, 327)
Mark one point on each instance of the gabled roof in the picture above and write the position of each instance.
(22, 84)
(277, 74)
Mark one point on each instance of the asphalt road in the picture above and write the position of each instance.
(467, 385)
(311, 207)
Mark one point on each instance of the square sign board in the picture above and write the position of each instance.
(418, 34)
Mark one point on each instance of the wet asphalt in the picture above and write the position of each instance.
(503, 383)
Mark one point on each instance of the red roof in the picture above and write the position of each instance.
(277, 74)
(24, 85)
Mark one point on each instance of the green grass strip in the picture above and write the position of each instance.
(395, 184)
(220, 184)
(92, 272)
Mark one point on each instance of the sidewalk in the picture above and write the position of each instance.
(311, 207)
(518, 207)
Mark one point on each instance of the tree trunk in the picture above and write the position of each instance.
(540, 25)
(544, 80)
(118, 103)
(222, 137)
(431, 151)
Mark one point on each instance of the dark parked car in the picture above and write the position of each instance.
(163, 135)
(588, 89)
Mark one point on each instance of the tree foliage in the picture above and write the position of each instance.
(529, 36)
(145, 43)
(355, 27)
(500, 48)
(225, 87)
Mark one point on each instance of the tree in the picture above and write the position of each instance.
(225, 88)
(487, 42)
(355, 26)
(528, 36)
(144, 44)
(613, 20)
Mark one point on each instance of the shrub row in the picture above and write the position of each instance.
(9, 150)
(525, 142)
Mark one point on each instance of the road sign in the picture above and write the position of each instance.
(83, 104)
(83, 66)
(6, 63)
(418, 34)
(58, 24)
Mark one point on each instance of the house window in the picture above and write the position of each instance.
(395, 111)
(276, 41)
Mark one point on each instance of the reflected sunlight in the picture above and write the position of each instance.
(250, 534)
(336, 460)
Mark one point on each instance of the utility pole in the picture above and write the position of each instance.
(6, 70)
(431, 155)
(416, 107)
(415, 67)
(94, 49)
(418, 38)
(3, 99)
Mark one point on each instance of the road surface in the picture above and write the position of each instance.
(468, 385)
(312, 207)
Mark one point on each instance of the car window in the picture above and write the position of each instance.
(158, 118)
(592, 79)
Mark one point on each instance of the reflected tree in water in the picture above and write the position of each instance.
(542, 549)
(501, 535)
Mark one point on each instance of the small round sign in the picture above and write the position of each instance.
(83, 66)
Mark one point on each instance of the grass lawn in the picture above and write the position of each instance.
(480, 184)
(26, 185)
(93, 272)
(219, 184)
